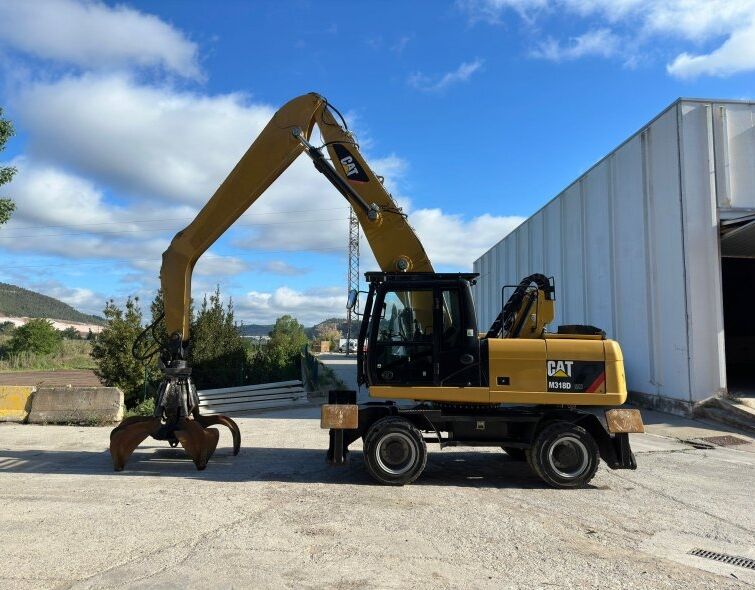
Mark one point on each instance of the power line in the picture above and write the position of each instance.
(156, 259)
(156, 230)
(177, 218)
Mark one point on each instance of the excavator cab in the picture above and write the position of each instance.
(420, 330)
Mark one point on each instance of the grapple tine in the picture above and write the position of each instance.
(126, 437)
(198, 442)
(128, 421)
(225, 421)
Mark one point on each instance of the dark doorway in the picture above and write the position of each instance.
(738, 283)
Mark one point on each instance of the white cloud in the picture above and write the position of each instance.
(461, 74)
(309, 307)
(624, 28)
(450, 240)
(147, 140)
(492, 11)
(92, 35)
(79, 298)
(178, 147)
(45, 194)
(212, 265)
(736, 54)
(599, 42)
(162, 153)
(82, 225)
(63, 213)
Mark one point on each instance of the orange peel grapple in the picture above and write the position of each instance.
(176, 420)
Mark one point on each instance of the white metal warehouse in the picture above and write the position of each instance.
(656, 245)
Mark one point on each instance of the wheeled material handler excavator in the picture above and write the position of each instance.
(517, 386)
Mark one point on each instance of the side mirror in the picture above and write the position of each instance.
(352, 299)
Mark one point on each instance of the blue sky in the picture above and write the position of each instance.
(476, 111)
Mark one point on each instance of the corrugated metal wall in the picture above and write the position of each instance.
(633, 246)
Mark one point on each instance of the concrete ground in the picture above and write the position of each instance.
(277, 516)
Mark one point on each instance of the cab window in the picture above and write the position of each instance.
(403, 351)
(407, 316)
(452, 328)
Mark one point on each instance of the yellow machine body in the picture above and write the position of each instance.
(527, 366)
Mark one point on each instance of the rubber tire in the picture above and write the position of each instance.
(537, 455)
(516, 454)
(376, 432)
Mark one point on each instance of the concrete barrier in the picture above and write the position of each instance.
(15, 402)
(76, 404)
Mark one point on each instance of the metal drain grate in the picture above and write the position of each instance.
(723, 558)
(724, 441)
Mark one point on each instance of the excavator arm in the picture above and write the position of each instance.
(177, 418)
(286, 136)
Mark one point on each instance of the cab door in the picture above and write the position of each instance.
(458, 360)
(402, 340)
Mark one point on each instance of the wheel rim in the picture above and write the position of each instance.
(396, 453)
(568, 457)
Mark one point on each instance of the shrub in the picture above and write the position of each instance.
(280, 359)
(143, 408)
(218, 351)
(37, 336)
(111, 350)
(71, 333)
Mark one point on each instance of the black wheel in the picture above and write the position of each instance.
(564, 455)
(515, 453)
(394, 451)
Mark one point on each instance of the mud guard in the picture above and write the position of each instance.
(614, 449)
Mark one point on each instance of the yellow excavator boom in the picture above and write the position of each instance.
(286, 136)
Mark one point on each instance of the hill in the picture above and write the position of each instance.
(340, 324)
(264, 329)
(19, 302)
(255, 329)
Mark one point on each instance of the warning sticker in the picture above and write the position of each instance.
(576, 376)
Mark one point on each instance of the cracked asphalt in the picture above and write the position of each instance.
(277, 516)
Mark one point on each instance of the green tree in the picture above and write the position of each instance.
(217, 353)
(37, 336)
(288, 333)
(71, 333)
(111, 350)
(157, 309)
(280, 359)
(6, 172)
